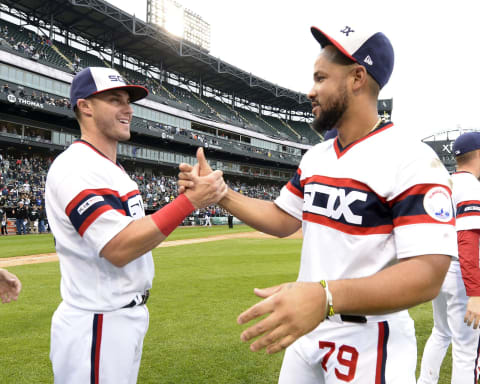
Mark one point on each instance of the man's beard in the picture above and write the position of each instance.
(330, 117)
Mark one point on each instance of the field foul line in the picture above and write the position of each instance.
(49, 257)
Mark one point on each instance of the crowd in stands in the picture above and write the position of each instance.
(152, 85)
(22, 191)
(22, 196)
(36, 50)
(160, 190)
(42, 98)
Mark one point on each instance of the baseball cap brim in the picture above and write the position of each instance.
(136, 92)
(325, 40)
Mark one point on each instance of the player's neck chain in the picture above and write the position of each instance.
(375, 126)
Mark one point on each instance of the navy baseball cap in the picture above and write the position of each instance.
(94, 80)
(373, 51)
(466, 142)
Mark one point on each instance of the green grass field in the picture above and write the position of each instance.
(198, 292)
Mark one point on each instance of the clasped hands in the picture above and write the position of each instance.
(201, 185)
(292, 309)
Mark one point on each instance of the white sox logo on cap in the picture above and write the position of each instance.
(347, 30)
(94, 80)
(372, 50)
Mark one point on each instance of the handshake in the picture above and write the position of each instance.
(201, 185)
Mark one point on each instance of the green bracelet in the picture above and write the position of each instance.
(329, 301)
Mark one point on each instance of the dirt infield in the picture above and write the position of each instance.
(49, 257)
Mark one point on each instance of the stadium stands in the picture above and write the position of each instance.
(63, 56)
(77, 59)
(28, 43)
(23, 176)
(304, 130)
(282, 127)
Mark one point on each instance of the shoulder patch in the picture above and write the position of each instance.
(438, 204)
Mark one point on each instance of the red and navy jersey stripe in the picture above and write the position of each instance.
(383, 333)
(468, 208)
(95, 350)
(294, 184)
(89, 204)
(354, 208)
(408, 207)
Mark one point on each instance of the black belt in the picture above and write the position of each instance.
(144, 300)
(353, 318)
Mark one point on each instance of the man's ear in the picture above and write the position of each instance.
(84, 106)
(360, 77)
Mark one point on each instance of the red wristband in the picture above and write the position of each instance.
(171, 215)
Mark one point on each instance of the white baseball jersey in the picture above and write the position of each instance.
(466, 196)
(450, 306)
(89, 200)
(363, 207)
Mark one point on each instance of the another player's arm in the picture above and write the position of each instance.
(297, 308)
(142, 235)
(262, 215)
(468, 251)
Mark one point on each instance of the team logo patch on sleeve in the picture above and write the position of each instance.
(438, 204)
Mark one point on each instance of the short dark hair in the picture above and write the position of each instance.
(337, 57)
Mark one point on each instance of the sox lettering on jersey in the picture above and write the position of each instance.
(338, 203)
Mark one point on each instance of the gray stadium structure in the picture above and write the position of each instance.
(442, 144)
(252, 129)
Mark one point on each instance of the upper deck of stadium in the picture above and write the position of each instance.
(181, 74)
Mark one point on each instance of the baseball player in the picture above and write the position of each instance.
(21, 215)
(208, 222)
(378, 227)
(10, 286)
(103, 238)
(450, 306)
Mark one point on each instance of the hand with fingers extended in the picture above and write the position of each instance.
(10, 286)
(185, 176)
(205, 190)
(472, 316)
(294, 309)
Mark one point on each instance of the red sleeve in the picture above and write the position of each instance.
(468, 252)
